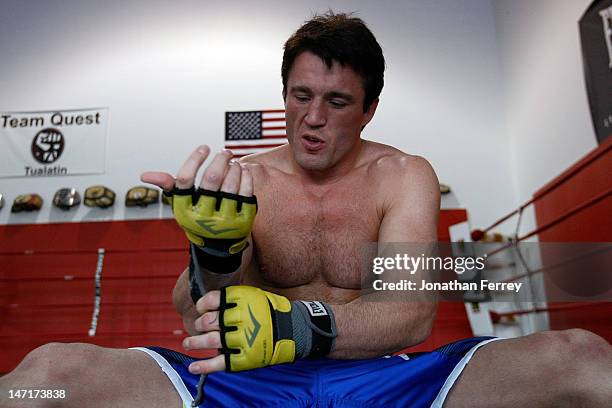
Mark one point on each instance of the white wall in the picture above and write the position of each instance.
(548, 124)
(169, 70)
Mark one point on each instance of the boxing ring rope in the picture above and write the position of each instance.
(548, 225)
(577, 192)
(478, 234)
(565, 262)
(495, 316)
(514, 242)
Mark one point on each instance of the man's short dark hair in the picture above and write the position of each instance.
(344, 39)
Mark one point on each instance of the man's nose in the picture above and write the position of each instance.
(316, 116)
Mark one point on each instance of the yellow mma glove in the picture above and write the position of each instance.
(215, 221)
(217, 225)
(255, 328)
(259, 328)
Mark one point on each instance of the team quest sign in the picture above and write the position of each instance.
(55, 143)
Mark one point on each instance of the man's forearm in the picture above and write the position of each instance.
(369, 328)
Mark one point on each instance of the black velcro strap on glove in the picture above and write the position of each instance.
(213, 261)
(213, 264)
(196, 283)
(220, 195)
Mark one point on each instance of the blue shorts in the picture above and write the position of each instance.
(413, 380)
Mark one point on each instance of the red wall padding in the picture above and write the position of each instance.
(586, 180)
(47, 286)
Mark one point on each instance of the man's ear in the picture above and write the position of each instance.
(369, 114)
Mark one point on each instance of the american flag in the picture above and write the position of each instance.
(254, 131)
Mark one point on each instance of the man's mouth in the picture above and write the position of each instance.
(312, 143)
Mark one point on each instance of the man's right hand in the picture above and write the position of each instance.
(217, 217)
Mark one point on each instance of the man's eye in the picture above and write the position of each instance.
(337, 104)
(301, 98)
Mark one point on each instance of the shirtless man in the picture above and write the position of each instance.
(320, 198)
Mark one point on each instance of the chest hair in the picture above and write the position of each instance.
(301, 238)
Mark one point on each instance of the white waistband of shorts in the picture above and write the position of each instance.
(172, 375)
(450, 380)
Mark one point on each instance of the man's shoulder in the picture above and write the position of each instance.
(407, 185)
(391, 163)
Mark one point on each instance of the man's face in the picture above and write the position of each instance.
(324, 112)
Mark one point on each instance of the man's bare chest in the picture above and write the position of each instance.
(305, 239)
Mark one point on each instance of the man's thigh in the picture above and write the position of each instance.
(560, 368)
(94, 376)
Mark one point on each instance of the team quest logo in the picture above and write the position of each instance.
(48, 145)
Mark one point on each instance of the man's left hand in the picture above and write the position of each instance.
(250, 326)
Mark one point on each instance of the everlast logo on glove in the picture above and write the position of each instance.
(211, 226)
(315, 308)
(251, 334)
